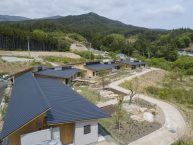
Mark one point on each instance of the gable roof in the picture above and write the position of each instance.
(65, 74)
(132, 62)
(27, 101)
(99, 66)
(67, 105)
(32, 96)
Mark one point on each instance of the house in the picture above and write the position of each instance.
(131, 64)
(43, 109)
(65, 73)
(94, 68)
(121, 56)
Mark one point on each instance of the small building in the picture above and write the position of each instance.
(94, 68)
(43, 110)
(132, 64)
(121, 56)
(65, 73)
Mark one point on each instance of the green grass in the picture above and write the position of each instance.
(91, 94)
(63, 60)
(174, 90)
(183, 143)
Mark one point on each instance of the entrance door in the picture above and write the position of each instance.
(67, 133)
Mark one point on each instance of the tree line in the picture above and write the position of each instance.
(51, 36)
(16, 39)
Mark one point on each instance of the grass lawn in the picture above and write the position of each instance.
(63, 60)
(91, 94)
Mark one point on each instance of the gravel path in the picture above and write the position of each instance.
(174, 126)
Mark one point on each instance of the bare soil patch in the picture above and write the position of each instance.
(36, 54)
(134, 130)
(13, 67)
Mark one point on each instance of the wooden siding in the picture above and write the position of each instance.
(67, 133)
(36, 125)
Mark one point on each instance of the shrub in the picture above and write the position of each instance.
(160, 63)
(62, 59)
(152, 90)
(85, 54)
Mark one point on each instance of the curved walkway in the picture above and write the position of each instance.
(174, 126)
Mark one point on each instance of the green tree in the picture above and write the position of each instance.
(102, 77)
(119, 112)
(133, 86)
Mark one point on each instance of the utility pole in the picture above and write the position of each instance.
(148, 53)
(90, 50)
(28, 47)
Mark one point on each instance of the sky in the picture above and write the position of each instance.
(163, 14)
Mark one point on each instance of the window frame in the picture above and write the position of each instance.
(87, 129)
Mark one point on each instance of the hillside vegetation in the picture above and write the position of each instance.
(104, 34)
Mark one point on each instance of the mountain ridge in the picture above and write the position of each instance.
(77, 21)
(12, 18)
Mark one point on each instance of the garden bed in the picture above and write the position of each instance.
(130, 129)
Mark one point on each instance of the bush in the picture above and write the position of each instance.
(85, 54)
(160, 63)
(64, 60)
(152, 90)
(177, 95)
(189, 71)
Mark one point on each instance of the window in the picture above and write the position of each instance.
(87, 129)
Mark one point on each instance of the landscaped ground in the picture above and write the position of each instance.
(172, 87)
(130, 129)
(153, 78)
(92, 94)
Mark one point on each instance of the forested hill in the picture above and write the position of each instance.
(85, 24)
(51, 33)
(59, 32)
(12, 18)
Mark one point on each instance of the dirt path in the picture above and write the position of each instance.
(174, 126)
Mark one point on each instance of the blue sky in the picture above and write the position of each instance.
(167, 14)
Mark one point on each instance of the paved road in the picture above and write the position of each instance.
(174, 126)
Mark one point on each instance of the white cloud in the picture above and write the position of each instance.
(175, 13)
(168, 12)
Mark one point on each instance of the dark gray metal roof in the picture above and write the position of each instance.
(99, 66)
(66, 73)
(3, 85)
(67, 105)
(33, 96)
(27, 101)
(132, 62)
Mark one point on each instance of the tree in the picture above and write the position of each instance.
(133, 86)
(114, 42)
(102, 77)
(119, 112)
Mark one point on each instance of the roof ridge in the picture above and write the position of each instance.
(41, 91)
